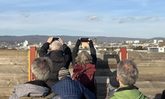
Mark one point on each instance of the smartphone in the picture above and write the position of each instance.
(55, 38)
(84, 39)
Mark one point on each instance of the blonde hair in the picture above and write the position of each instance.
(83, 58)
(55, 45)
(41, 68)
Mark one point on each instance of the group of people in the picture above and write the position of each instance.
(54, 81)
(52, 76)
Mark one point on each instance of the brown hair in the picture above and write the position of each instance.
(83, 58)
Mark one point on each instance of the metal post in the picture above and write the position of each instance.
(32, 55)
(123, 53)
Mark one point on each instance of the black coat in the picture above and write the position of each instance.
(64, 55)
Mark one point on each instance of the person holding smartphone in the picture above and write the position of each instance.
(91, 48)
(84, 65)
(58, 52)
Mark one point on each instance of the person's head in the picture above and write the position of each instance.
(127, 72)
(56, 45)
(83, 58)
(63, 72)
(41, 68)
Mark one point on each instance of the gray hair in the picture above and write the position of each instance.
(83, 58)
(127, 72)
(41, 68)
(55, 45)
(63, 72)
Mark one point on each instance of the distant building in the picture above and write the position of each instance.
(132, 41)
(136, 41)
(161, 49)
(157, 41)
(69, 43)
(25, 43)
(156, 49)
(160, 41)
(129, 42)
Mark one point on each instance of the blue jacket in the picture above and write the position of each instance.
(71, 89)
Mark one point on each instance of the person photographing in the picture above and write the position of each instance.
(58, 52)
(84, 65)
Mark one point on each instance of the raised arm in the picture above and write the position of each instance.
(75, 51)
(44, 49)
(93, 52)
(68, 55)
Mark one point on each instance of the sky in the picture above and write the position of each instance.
(111, 18)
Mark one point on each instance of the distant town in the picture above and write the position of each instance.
(146, 45)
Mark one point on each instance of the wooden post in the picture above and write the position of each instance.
(123, 53)
(32, 55)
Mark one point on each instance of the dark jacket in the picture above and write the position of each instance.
(71, 89)
(66, 55)
(60, 58)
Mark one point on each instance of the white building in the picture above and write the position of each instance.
(136, 41)
(129, 41)
(25, 43)
(132, 41)
(69, 43)
(160, 41)
(156, 49)
(157, 41)
(161, 49)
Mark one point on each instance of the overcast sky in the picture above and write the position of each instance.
(112, 18)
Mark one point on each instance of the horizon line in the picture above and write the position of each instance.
(82, 36)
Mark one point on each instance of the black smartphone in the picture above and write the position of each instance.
(84, 39)
(55, 38)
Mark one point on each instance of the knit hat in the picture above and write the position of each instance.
(63, 72)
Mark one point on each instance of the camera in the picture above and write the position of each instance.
(84, 39)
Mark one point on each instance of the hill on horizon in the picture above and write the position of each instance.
(41, 38)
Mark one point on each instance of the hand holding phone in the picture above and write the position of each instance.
(61, 40)
(55, 38)
(50, 39)
(84, 39)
